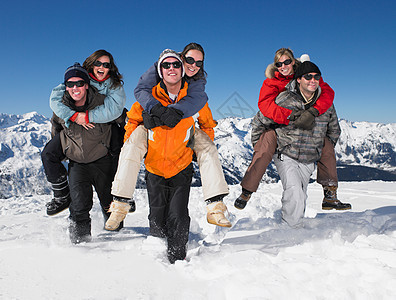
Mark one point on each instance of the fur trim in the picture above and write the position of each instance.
(270, 71)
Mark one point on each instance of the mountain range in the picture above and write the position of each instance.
(365, 151)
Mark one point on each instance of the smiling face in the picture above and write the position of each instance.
(172, 75)
(308, 87)
(285, 70)
(101, 72)
(77, 93)
(191, 70)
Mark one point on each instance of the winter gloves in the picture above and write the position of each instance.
(162, 115)
(304, 119)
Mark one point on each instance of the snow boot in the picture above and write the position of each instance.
(119, 208)
(80, 232)
(215, 214)
(61, 199)
(330, 200)
(241, 201)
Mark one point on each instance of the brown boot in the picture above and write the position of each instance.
(215, 214)
(330, 200)
(118, 210)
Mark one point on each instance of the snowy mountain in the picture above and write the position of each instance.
(365, 151)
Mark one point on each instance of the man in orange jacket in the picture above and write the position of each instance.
(169, 157)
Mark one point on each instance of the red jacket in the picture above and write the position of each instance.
(272, 87)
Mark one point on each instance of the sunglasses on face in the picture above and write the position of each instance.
(71, 84)
(280, 63)
(191, 61)
(98, 63)
(175, 64)
(310, 76)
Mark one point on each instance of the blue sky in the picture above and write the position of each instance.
(352, 42)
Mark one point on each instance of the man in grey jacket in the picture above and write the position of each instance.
(299, 149)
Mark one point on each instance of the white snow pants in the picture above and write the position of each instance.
(294, 176)
(212, 176)
(134, 149)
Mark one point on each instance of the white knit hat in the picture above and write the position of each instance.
(165, 54)
(304, 57)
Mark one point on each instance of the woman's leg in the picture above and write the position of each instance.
(327, 177)
(124, 183)
(212, 176)
(52, 157)
(214, 185)
(262, 156)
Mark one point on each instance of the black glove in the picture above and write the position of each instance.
(150, 121)
(295, 114)
(169, 116)
(307, 119)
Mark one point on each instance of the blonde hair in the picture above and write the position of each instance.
(283, 51)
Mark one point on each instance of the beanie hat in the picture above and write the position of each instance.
(165, 54)
(76, 71)
(305, 68)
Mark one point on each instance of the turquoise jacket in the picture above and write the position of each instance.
(111, 109)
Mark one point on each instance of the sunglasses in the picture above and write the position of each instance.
(98, 63)
(191, 61)
(175, 64)
(310, 76)
(71, 84)
(286, 63)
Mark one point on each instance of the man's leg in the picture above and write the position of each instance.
(295, 178)
(178, 219)
(81, 194)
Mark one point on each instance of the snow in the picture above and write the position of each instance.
(336, 255)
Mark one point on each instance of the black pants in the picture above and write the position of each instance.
(168, 200)
(82, 177)
(52, 157)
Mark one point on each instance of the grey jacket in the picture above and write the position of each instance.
(79, 144)
(303, 145)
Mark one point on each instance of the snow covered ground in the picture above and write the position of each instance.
(337, 255)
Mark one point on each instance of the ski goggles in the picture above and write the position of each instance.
(175, 64)
(78, 83)
(191, 61)
(310, 76)
(98, 63)
(286, 63)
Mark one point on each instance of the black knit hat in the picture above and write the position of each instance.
(76, 71)
(305, 68)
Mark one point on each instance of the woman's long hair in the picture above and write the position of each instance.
(195, 46)
(116, 77)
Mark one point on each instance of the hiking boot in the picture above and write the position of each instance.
(80, 232)
(215, 214)
(132, 203)
(118, 210)
(241, 201)
(57, 205)
(330, 200)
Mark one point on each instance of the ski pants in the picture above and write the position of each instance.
(82, 177)
(294, 176)
(135, 148)
(52, 157)
(168, 201)
(262, 156)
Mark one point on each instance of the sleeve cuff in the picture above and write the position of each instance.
(73, 117)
